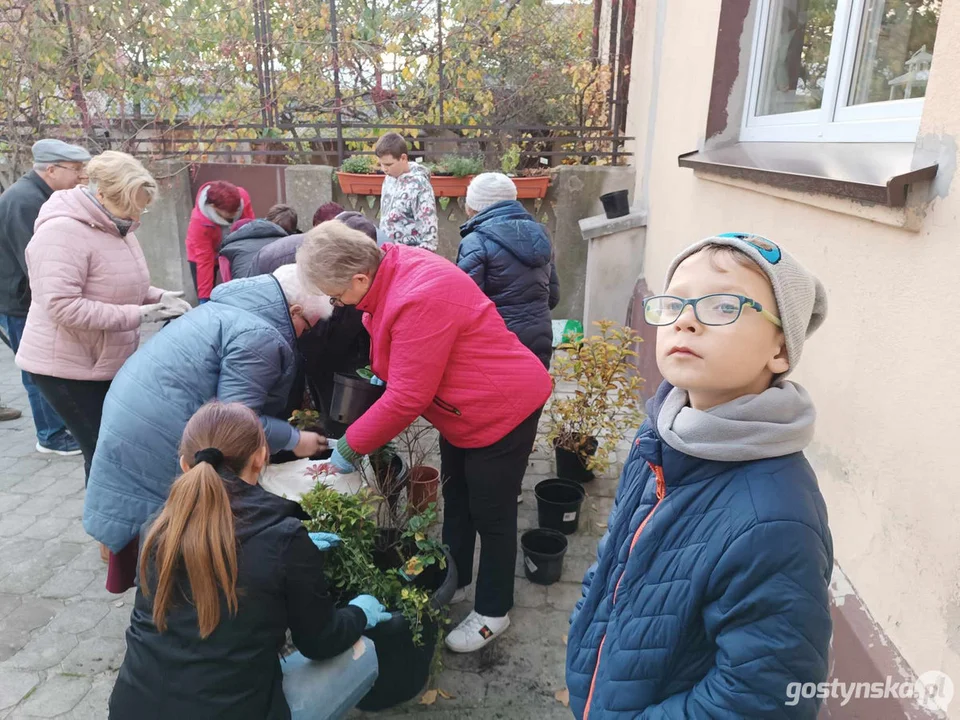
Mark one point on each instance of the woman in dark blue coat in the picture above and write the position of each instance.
(510, 256)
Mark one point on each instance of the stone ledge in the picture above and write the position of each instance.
(600, 225)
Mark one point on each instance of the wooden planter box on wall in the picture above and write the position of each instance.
(443, 185)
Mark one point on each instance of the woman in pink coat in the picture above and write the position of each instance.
(445, 353)
(91, 291)
(219, 205)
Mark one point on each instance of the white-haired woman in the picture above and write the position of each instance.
(91, 292)
(239, 347)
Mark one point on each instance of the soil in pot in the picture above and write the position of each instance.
(404, 666)
(352, 397)
(573, 465)
(543, 552)
(558, 504)
(424, 486)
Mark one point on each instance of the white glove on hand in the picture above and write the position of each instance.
(156, 313)
(174, 301)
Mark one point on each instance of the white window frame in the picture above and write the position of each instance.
(835, 121)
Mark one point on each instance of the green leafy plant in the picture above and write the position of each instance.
(510, 160)
(459, 166)
(361, 164)
(606, 397)
(351, 567)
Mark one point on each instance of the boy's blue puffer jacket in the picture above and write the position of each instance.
(709, 602)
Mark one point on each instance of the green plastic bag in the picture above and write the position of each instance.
(566, 330)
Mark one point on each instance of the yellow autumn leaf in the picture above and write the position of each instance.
(430, 697)
(445, 695)
(562, 696)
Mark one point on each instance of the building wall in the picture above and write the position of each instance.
(884, 369)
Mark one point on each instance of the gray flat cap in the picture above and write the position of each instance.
(51, 151)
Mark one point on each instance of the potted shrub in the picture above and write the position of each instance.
(405, 568)
(533, 184)
(359, 176)
(585, 426)
(418, 443)
(452, 175)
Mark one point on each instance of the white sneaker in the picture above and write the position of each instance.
(459, 596)
(475, 632)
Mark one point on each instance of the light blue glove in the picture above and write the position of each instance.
(376, 381)
(203, 301)
(325, 541)
(340, 462)
(375, 612)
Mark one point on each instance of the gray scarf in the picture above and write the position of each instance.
(123, 225)
(777, 422)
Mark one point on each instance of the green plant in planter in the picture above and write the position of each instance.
(360, 164)
(606, 401)
(460, 166)
(351, 567)
(510, 160)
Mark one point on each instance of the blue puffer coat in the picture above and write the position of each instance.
(709, 595)
(509, 255)
(239, 347)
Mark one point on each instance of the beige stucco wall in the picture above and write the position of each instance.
(885, 368)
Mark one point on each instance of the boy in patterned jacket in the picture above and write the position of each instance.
(408, 210)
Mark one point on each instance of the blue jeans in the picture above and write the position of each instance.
(45, 418)
(329, 689)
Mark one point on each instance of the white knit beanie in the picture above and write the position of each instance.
(488, 189)
(801, 298)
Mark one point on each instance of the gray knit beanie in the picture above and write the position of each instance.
(488, 189)
(801, 298)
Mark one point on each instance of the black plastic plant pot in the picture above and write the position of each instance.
(616, 204)
(558, 504)
(352, 397)
(543, 552)
(572, 465)
(404, 666)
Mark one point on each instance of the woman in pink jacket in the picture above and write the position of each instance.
(219, 205)
(91, 291)
(445, 353)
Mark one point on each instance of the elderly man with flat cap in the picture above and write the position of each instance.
(56, 166)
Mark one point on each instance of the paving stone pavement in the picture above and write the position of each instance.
(62, 634)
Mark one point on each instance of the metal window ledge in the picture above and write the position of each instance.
(877, 173)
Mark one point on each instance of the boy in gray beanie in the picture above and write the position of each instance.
(709, 596)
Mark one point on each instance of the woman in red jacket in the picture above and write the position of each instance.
(445, 353)
(219, 205)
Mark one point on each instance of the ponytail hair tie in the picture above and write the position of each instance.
(209, 455)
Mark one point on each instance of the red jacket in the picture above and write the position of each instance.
(445, 353)
(203, 240)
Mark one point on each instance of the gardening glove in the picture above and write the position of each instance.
(375, 612)
(325, 541)
(156, 312)
(174, 301)
(340, 462)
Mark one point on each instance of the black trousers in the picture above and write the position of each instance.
(80, 404)
(480, 496)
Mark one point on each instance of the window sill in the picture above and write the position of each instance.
(873, 173)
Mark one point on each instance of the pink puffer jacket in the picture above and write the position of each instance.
(88, 284)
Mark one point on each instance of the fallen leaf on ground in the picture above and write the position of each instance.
(563, 696)
(564, 640)
(429, 697)
(445, 695)
(602, 526)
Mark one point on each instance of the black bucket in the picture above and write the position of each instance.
(558, 504)
(572, 465)
(352, 397)
(404, 666)
(616, 204)
(543, 552)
